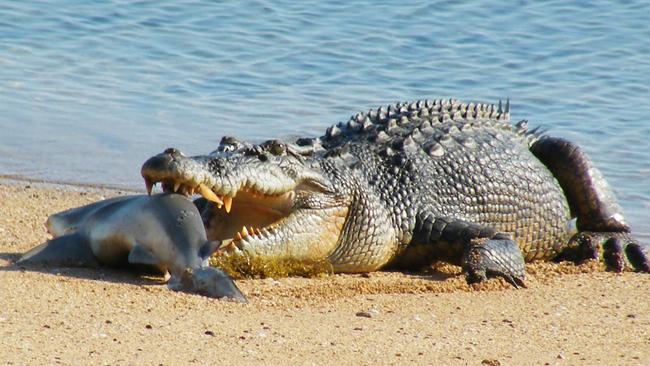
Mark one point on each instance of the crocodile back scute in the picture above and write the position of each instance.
(458, 160)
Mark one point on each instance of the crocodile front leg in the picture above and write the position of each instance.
(480, 250)
(499, 256)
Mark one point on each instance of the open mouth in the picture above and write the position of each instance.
(241, 215)
(256, 207)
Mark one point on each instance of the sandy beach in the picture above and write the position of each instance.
(568, 315)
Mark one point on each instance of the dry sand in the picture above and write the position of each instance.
(569, 315)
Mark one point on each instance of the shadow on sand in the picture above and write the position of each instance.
(133, 275)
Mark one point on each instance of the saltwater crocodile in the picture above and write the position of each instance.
(405, 186)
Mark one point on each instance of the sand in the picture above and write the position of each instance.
(568, 315)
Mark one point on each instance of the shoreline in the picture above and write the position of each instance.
(14, 179)
(568, 315)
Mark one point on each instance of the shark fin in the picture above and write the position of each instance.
(210, 282)
(67, 250)
(208, 248)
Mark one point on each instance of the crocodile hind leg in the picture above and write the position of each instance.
(602, 229)
(480, 250)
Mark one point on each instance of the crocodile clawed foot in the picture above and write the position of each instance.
(638, 257)
(497, 257)
(618, 251)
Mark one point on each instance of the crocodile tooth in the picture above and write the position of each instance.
(227, 202)
(225, 244)
(244, 232)
(149, 184)
(190, 190)
(177, 185)
(238, 236)
(209, 195)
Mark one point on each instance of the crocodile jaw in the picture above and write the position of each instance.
(304, 234)
(258, 209)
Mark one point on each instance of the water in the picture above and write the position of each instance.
(90, 89)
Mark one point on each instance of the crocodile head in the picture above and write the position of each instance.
(267, 199)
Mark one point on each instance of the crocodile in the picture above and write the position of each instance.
(405, 186)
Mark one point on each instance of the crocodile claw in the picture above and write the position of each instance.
(618, 251)
(494, 258)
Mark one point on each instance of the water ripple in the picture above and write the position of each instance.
(89, 90)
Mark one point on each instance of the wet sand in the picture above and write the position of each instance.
(568, 315)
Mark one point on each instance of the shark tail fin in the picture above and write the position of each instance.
(71, 250)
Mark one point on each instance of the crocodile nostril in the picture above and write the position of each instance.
(172, 151)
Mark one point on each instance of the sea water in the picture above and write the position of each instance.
(90, 89)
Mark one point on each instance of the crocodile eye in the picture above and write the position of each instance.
(278, 148)
(275, 147)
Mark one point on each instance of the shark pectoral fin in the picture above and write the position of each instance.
(208, 248)
(142, 255)
(69, 250)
